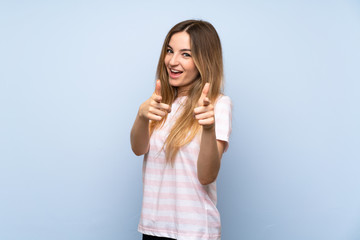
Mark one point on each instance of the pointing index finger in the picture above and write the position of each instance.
(206, 102)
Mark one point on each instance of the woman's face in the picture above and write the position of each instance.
(179, 62)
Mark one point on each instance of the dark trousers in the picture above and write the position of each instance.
(148, 237)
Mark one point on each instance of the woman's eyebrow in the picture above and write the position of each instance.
(181, 50)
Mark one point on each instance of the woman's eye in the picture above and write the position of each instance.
(169, 50)
(186, 55)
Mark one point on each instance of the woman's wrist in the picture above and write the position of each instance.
(209, 128)
(141, 114)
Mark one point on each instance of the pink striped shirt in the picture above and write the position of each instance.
(175, 204)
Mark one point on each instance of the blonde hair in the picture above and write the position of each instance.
(207, 55)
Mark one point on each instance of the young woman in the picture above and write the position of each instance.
(183, 130)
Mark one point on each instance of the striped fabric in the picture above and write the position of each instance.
(175, 204)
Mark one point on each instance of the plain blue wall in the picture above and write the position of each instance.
(73, 73)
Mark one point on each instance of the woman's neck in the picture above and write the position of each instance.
(182, 92)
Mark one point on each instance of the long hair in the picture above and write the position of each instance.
(207, 55)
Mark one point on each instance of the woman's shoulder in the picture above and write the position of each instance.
(223, 99)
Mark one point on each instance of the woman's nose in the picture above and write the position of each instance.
(174, 60)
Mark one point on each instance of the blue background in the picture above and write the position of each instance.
(73, 73)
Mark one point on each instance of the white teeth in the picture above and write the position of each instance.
(174, 71)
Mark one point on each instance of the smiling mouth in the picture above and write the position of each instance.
(174, 73)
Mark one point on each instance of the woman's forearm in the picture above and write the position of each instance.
(139, 136)
(209, 159)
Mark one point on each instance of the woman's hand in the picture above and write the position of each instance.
(204, 113)
(153, 109)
